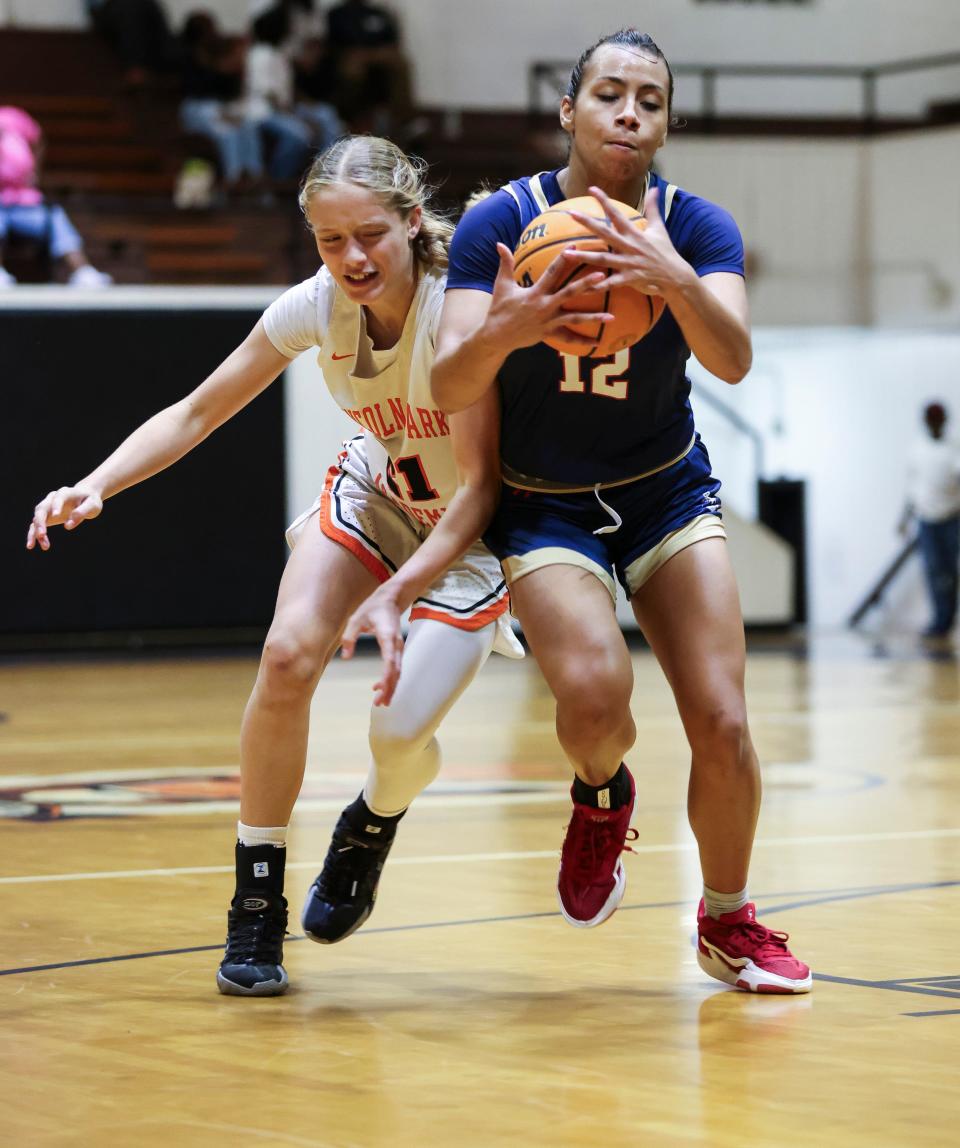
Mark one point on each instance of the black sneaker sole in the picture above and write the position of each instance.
(261, 989)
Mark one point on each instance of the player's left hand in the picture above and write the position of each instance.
(378, 615)
(643, 259)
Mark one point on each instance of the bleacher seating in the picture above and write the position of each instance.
(112, 159)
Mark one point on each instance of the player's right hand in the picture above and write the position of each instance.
(68, 506)
(523, 316)
(378, 615)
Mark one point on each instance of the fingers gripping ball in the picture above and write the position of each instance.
(554, 231)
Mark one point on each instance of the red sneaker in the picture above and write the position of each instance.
(739, 950)
(591, 881)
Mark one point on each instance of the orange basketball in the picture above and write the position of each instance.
(553, 231)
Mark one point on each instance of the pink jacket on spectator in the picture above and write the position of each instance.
(19, 135)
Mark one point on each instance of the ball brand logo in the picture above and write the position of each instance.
(526, 280)
(537, 231)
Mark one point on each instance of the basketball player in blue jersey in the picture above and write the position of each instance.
(603, 472)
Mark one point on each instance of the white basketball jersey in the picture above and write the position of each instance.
(386, 392)
(407, 455)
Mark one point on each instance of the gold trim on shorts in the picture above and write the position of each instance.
(529, 482)
(637, 573)
(697, 529)
(518, 565)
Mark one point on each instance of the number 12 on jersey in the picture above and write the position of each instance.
(603, 377)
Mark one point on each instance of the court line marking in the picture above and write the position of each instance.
(473, 858)
(929, 980)
(890, 986)
(814, 897)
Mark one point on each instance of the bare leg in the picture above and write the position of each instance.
(568, 618)
(690, 613)
(321, 586)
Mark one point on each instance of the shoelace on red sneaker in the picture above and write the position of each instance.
(596, 844)
(766, 942)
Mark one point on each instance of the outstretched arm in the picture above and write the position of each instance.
(165, 437)
(476, 438)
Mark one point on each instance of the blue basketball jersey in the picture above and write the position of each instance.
(579, 421)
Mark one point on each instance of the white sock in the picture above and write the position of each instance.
(717, 904)
(262, 835)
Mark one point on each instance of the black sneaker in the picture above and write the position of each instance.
(342, 897)
(252, 965)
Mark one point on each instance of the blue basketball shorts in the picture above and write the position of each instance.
(629, 530)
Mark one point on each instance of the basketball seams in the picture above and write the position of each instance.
(573, 274)
(598, 337)
(568, 239)
(633, 317)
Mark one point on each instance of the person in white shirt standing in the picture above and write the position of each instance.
(933, 499)
(392, 496)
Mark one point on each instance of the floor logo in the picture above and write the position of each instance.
(193, 790)
(117, 793)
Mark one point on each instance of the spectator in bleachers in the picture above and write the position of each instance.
(23, 210)
(307, 27)
(298, 30)
(294, 130)
(372, 72)
(213, 74)
(138, 32)
(306, 46)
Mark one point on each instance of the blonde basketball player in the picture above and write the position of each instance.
(373, 310)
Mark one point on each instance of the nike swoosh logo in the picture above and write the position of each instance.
(350, 356)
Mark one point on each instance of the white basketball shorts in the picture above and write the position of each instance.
(376, 530)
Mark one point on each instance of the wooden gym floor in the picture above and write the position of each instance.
(467, 1013)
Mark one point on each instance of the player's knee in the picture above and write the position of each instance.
(720, 737)
(290, 664)
(595, 699)
(393, 743)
